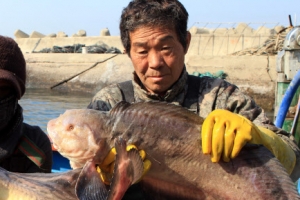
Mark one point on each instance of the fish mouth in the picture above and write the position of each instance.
(54, 147)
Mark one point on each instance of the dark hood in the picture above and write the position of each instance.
(9, 138)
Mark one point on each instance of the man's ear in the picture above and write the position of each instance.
(188, 41)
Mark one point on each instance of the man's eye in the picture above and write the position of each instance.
(142, 52)
(166, 48)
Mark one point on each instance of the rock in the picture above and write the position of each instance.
(231, 31)
(196, 30)
(243, 28)
(278, 28)
(20, 34)
(193, 30)
(75, 35)
(81, 33)
(36, 34)
(61, 34)
(51, 35)
(220, 31)
(105, 32)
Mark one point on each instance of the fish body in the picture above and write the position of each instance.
(78, 184)
(170, 135)
(38, 186)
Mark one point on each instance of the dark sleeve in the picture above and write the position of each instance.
(41, 140)
(106, 98)
(229, 97)
(232, 99)
(98, 105)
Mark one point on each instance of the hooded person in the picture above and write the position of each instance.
(23, 148)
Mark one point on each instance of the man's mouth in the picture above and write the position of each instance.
(156, 78)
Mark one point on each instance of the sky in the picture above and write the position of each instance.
(70, 16)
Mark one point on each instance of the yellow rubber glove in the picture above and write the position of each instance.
(280, 149)
(225, 133)
(106, 169)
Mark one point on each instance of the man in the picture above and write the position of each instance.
(23, 148)
(155, 37)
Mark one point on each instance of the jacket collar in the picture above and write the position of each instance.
(175, 94)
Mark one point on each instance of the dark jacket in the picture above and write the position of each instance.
(12, 158)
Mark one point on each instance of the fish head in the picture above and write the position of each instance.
(77, 135)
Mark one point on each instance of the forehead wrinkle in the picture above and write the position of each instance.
(165, 38)
(160, 39)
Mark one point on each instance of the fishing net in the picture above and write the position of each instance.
(77, 48)
(219, 74)
(271, 46)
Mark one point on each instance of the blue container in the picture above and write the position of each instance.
(298, 186)
(60, 163)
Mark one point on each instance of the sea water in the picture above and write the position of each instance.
(41, 105)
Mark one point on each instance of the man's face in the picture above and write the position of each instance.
(5, 88)
(157, 57)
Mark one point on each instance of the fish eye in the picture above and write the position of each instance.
(71, 127)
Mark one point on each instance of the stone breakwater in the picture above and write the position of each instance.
(208, 52)
(239, 40)
(35, 34)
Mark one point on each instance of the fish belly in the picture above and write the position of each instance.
(7, 194)
(44, 186)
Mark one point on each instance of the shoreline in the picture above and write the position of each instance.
(210, 52)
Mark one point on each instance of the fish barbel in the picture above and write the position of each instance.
(170, 135)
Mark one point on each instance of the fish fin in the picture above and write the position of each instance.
(137, 163)
(89, 185)
(134, 157)
(167, 110)
(119, 107)
(128, 169)
(120, 145)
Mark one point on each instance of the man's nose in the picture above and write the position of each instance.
(155, 59)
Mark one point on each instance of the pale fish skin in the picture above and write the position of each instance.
(35, 186)
(170, 135)
(75, 184)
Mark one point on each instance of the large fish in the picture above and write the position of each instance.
(50, 186)
(75, 184)
(170, 135)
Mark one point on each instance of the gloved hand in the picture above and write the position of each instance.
(225, 133)
(107, 167)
